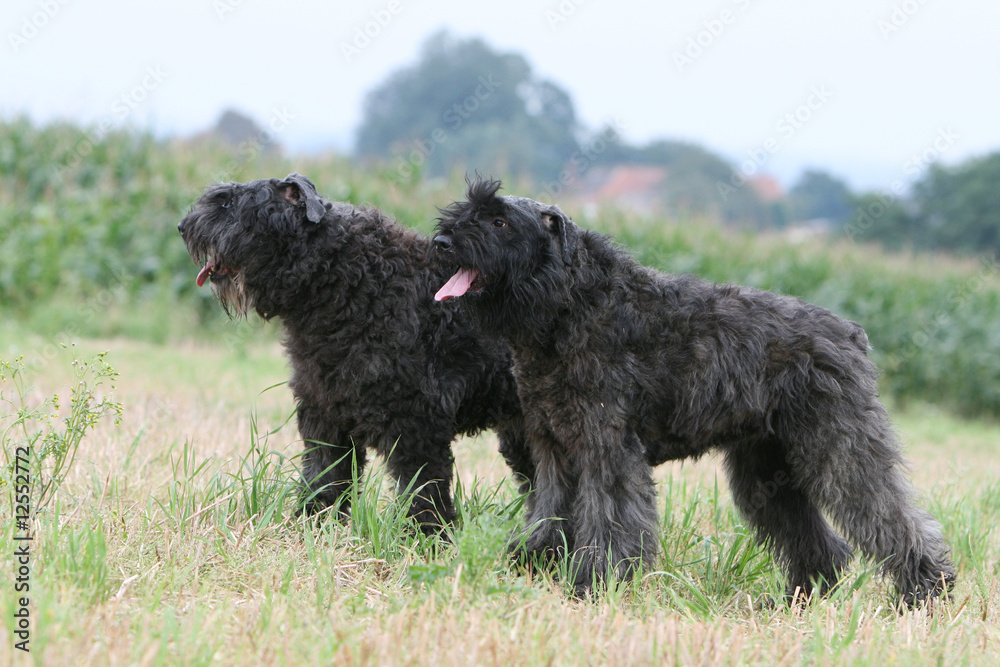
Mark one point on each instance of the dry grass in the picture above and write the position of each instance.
(154, 555)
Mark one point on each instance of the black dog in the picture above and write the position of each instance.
(375, 362)
(620, 367)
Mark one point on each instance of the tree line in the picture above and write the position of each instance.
(464, 106)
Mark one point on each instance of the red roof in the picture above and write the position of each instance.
(767, 187)
(625, 180)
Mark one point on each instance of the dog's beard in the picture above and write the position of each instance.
(233, 296)
(226, 282)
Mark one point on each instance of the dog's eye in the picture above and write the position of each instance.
(499, 222)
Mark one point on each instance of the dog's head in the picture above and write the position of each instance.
(247, 238)
(499, 243)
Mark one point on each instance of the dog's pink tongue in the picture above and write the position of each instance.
(205, 273)
(457, 285)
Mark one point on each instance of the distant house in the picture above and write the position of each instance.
(633, 187)
(767, 187)
(653, 190)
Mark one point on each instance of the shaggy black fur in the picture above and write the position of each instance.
(375, 362)
(620, 367)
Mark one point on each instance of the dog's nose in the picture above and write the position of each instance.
(180, 227)
(443, 242)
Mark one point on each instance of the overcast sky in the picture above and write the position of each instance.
(862, 88)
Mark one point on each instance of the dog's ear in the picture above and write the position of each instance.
(298, 188)
(554, 220)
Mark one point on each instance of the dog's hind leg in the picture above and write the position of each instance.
(769, 497)
(860, 482)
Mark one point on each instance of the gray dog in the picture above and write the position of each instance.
(375, 362)
(620, 367)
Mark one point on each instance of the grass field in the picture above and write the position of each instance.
(172, 543)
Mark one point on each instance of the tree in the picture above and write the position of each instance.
(235, 129)
(817, 194)
(950, 208)
(464, 105)
(959, 207)
(884, 219)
